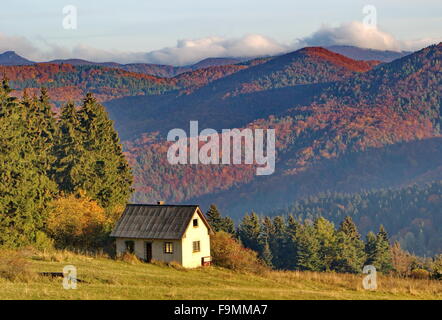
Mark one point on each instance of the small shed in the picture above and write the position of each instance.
(178, 233)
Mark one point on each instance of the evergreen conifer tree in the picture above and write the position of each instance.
(249, 231)
(25, 189)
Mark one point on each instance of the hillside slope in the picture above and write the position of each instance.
(397, 102)
(266, 87)
(114, 280)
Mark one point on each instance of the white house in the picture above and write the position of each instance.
(166, 233)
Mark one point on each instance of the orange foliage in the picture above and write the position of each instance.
(76, 221)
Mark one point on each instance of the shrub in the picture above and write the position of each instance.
(228, 253)
(420, 274)
(77, 221)
(129, 258)
(43, 242)
(15, 267)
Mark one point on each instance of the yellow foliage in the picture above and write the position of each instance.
(76, 220)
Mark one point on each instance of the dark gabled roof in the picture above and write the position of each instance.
(155, 221)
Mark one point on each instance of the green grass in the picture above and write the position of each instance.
(112, 279)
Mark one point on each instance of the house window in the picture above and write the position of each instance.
(168, 247)
(195, 222)
(130, 246)
(196, 246)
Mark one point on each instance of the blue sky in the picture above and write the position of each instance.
(113, 29)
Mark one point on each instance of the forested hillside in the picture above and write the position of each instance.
(52, 166)
(343, 126)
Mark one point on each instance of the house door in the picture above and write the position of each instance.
(148, 253)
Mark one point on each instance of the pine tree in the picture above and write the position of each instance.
(349, 254)
(25, 189)
(267, 237)
(370, 248)
(307, 249)
(249, 231)
(267, 256)
(326, 235)
(214, 218)
(280, 244)
(383, 260)
(229, 226)
(292, 228)
(69, 152)
(106, 175)
(218, 222)
(41, 127)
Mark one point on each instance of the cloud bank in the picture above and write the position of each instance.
(360, 35)
(190, 51)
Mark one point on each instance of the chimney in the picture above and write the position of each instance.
(160, 203)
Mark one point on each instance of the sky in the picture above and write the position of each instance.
(185, 31)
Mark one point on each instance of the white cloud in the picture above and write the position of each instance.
(190, 51)
(360, 35)
(19, 44)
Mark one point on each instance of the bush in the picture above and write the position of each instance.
(77, 221)
(43, 242)
(15, 267)
(420, 274)
(228, 253)
(129, 258)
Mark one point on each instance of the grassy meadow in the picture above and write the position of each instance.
(106, 278)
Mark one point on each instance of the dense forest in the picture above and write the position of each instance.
(63, 177)
(291, 243)
(412, 214)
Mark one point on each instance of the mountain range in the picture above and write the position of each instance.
(347, 120)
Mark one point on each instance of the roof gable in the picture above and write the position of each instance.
(155, 221)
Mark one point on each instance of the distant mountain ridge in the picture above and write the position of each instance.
(358, 53)
(10, 58)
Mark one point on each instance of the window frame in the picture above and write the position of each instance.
(196, 246)
(129, 246)
(168, 247)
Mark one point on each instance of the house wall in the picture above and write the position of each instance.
(157, 249)
(201, 233)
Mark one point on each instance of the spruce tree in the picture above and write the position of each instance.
(218, 222)
(267, 256)
(105, 176)
(69, 151)
(229, 225)
(370, 248)
(307, 249)
(326, 235)
(249, 231)
(292, 228)
(349, 253)
(280, 244)
(25, 189)
(383, 260)
(42, 129)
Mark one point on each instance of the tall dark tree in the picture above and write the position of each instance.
(280, 243)
(41, 126)
(350, 255)
(383, 260)
(307, 249)
(25, 189)
(370, 248)
(218, 222)
(106, 175)
(69, 151)
(249, 231)
(326, 235)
